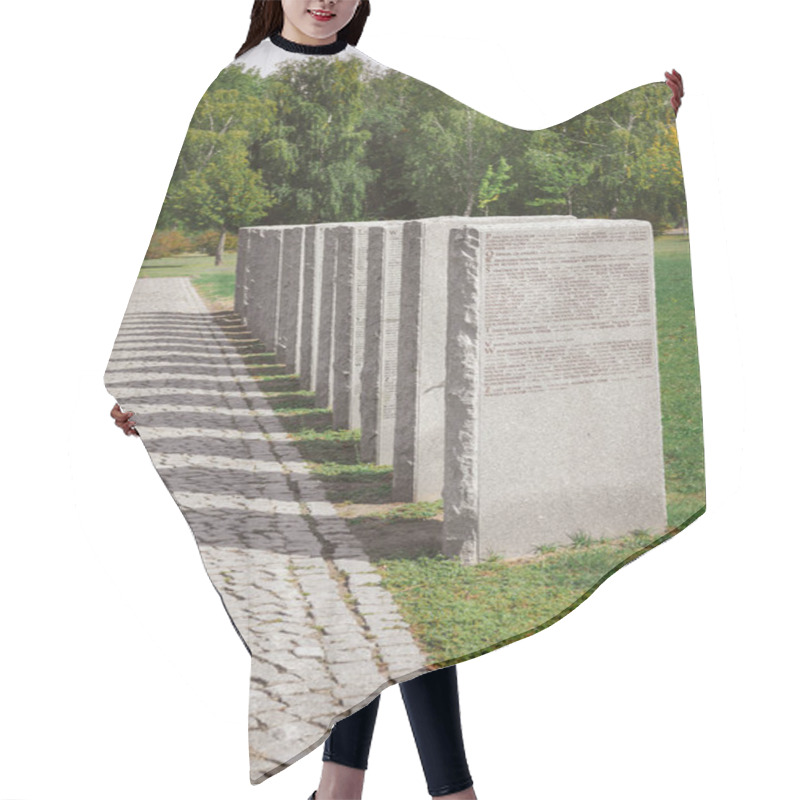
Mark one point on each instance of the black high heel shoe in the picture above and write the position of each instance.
(313, 795)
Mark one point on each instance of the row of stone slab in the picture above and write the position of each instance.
(506, 364)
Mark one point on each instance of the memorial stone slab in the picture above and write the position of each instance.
(349, 331)
(312, 299)
(240, 295)
(250, 277)
(381, 323)
(289, 292)
(308, 301)
(418, 458)
(553, 413)
(322, 337)
(263, 274)
(350, 283)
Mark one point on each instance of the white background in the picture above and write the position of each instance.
(120, 674)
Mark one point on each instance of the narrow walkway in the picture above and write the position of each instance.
(324, 636)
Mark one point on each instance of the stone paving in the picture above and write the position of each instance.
(323, 634)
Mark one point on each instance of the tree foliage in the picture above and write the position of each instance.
(323, 140)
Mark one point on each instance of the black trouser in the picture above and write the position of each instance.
(432, 706)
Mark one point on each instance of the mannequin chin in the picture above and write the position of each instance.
(316, 21)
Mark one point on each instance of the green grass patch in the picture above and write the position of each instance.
(216, 286)
(402, 512)
(681, 410)
(283, 400)
(455, 609)
(264, 371)
(297, 419)
(409, 511)
(257, 359)
(188, 266)
(355, 482)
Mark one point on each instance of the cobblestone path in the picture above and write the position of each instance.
(323, 635)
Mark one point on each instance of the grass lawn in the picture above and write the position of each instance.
(455, 609)
(681, 413)
(189, 265)
(215, 284)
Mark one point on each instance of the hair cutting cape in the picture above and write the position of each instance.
(419, 381)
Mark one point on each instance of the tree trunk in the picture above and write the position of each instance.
(220, 249)
(468, 209)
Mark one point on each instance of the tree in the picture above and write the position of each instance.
(213, 185)
(623, 133)
(494, 184)
(224, 193)
(313, 158)
(454, 145)
(557, 169)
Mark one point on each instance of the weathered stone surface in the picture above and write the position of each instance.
(309, 300)
(356, 296)
(289, 291)
(553, 404)
(344, 323)
(381, 324)
(418, 458)
(348, 654)
(359, 673)
(322, 336)
(263, 275)
(242, 265)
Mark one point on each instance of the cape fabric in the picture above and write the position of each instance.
(419, 381)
